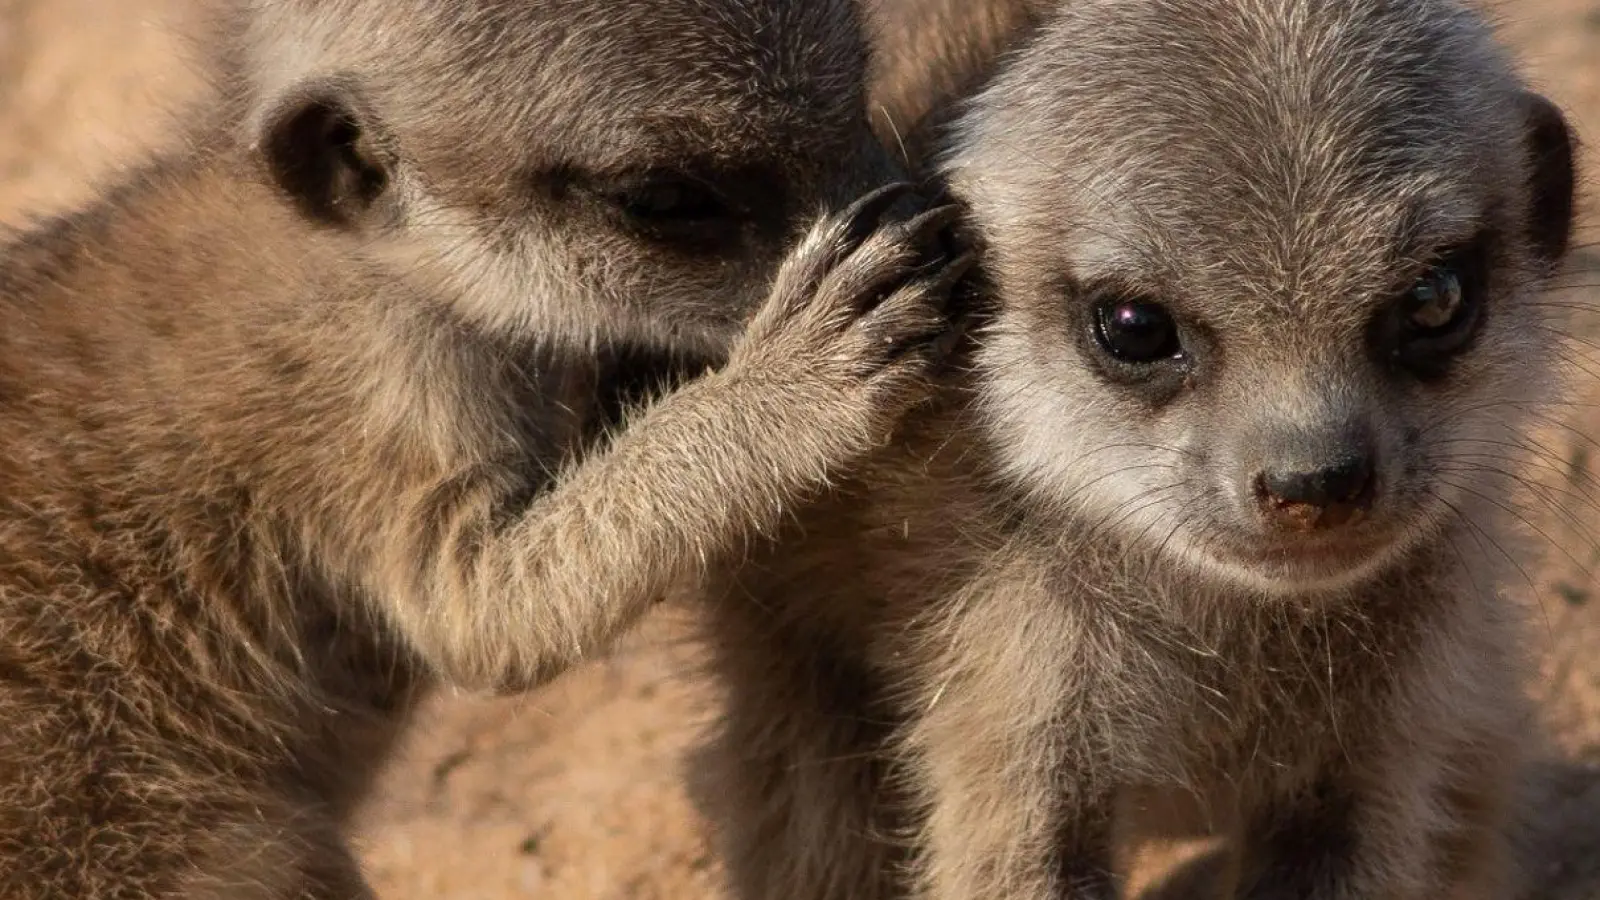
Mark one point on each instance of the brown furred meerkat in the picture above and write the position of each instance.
(287, 417)
(1206, 544)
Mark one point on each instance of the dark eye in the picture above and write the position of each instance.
(1437, 301)
(668, 200)
(1437, 317)
(1136, 331)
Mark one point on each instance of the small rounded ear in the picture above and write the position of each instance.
(324, 153)
(1551, 184)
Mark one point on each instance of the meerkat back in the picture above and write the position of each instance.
(297, 420)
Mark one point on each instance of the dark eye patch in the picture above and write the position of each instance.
(693, 206)
(1433, 319)
(670, 200)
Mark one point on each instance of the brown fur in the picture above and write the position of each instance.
(1045, 646)
(289, 419)
(929, 55)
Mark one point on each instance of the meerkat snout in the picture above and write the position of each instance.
(1327, 497)
(1320, 492)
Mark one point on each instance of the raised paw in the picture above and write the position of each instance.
(864, 300)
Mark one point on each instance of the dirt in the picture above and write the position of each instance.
(576, 791)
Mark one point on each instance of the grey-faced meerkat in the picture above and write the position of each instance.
(289, 418)
(1206, 546)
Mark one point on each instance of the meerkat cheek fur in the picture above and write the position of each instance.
(1192, 581)
(291, 420)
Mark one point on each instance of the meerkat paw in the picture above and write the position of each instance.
(860, 311)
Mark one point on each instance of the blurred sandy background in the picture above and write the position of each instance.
(575, 792)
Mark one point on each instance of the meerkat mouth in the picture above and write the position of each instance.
(1308, 561)
(1317, 551)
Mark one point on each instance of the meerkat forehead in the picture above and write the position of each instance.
(628, 79)
(1278, 149)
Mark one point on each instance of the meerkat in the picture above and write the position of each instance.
(291, 418)
(1189, 584)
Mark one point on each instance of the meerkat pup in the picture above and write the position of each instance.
(287, 417)
(1190, 584)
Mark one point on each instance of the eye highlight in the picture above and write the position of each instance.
(1136, 331)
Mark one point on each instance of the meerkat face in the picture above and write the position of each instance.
(1266, 276)
(566, 169)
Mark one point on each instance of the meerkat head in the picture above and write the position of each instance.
(1266, 276)
(564, 169)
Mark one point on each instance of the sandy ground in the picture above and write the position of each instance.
(575, 792)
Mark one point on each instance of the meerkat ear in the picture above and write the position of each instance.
(325, 154)
(1551, 177)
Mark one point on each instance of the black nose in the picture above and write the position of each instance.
(1323, 497)
(1342, 482)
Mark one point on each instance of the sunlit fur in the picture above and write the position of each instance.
(1038, 612)
(274, 458)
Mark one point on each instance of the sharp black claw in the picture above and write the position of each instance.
(936, 220)
(956, 270)
(927, 341)
(863, 215)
